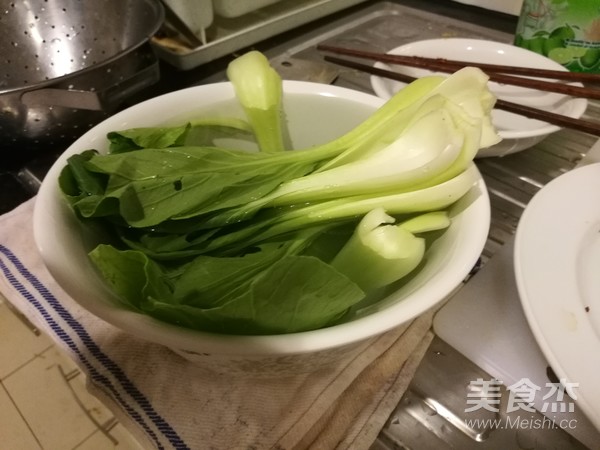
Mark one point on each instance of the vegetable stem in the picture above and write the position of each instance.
(259, 88)
(379, 253)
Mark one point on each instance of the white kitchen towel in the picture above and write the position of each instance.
(166, 402)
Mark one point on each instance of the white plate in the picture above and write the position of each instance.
(557, 268)
(518, 133)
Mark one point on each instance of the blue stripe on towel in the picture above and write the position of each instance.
(93, 349)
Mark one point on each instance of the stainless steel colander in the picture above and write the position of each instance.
(67, 64)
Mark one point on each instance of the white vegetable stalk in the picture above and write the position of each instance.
(380, 253)
(259, 90)
(468, 88)
(439, 137)
(433, 221)
(430, 199)
(430, 144)
(473, 129)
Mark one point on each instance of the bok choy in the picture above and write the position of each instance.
(277, 240)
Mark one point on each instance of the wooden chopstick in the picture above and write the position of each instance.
(449, 66)
(533, 113)
(425, 63)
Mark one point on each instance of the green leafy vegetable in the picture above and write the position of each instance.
(273, 290)
(274, 241)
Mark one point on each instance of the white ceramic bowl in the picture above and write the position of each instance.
(310, 107)
(518, 133)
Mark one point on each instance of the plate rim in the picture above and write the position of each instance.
(544, 330)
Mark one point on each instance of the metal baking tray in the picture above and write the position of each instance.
(227, 35)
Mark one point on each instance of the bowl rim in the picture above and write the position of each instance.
(174, 336)
(579, 104)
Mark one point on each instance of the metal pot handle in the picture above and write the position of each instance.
(105, 99)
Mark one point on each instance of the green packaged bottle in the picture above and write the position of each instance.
(566, 31)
